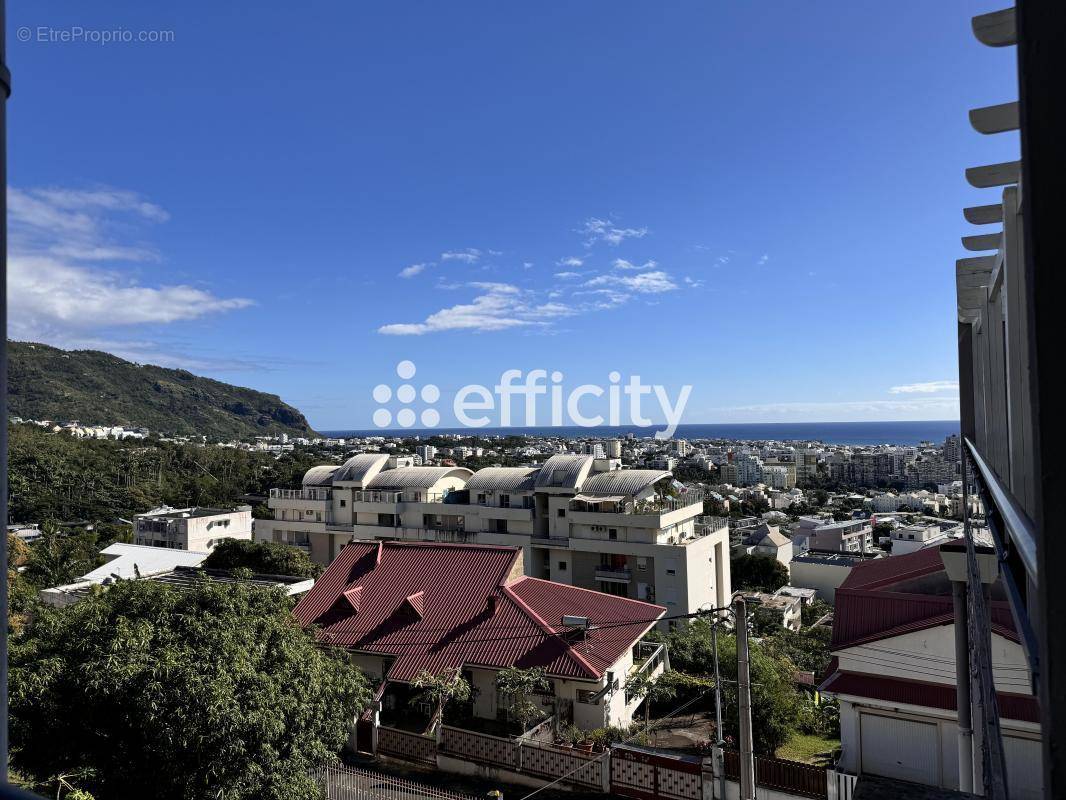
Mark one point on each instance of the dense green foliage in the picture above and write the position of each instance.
(55, 476)
(98, 388)
(264, 558)
(774, 698)
(144, 690)
(807, 648)
(757, 572)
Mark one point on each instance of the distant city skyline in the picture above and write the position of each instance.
(757, 201)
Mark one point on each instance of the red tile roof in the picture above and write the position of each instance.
(443, 606)
(922, 693)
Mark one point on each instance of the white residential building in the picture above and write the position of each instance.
(198, 529)
(578, 520)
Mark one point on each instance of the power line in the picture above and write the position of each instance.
(607, 752)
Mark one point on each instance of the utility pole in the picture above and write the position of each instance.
(720, 744)
(747, 749)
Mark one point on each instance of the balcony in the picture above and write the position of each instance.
(614, 574)
(301, 494)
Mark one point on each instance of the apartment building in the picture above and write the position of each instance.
(849, 536)
(806, 466)
(579, 520)
(197, 529)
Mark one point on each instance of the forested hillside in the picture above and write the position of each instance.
(98, 388)
(55, 476)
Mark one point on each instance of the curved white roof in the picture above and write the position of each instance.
(321, 475)
(415, 477)
(496, 479)
(629, 482)
(361, 468)
(565, 472)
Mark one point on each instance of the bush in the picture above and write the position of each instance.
(264, 558)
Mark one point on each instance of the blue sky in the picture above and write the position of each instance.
(759, 199)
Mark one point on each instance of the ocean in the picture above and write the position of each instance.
(855, 433)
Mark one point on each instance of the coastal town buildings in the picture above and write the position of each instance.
(578, 520)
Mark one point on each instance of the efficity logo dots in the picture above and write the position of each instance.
(406, 394)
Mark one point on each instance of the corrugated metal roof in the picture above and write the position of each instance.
(321, 475)
(887, 597)
(630, 482)
(130, 559)
(503, 479)
(415, 477)
(923, 693)
(362, 467)
(459, 624)
(566, 471)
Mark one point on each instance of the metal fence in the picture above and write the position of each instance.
(793, 777)
(338, 782)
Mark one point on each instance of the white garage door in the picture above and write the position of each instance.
(1025, 775)
(899, 748)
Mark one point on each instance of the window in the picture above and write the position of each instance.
(612, 533)
(560, 512)
(562, 566)
(671, 571)
(482, 499)
(587, 698)
(617, 589)
(344, 503)
(642, 563)
(505, 501)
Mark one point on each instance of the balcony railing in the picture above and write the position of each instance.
(654, 505)
(301, 494)
(616, 574)
(647, 657)
(1014, 536)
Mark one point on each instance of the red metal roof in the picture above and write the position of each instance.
(887, 597)
(469, 611)
(922, 693)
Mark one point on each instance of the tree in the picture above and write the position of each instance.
(57, 558)
(210, 692)
(653, 691)
(440, 690)
(773, 693)
(517, 684)
(264, 558)
(758, 572)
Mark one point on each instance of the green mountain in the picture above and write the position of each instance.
(98, 388)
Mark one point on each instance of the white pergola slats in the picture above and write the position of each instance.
(984, 241)
(990, 175)
(996, 29)
(983, 215)
(995, 119)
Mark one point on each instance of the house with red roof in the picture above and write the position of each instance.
(893, 671)
(405, 609)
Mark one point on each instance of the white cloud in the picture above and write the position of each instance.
(602, 230)
(621, 263)
(762, 259)
(694, 283)
(500, 306)
(929, 387)
(468, 256)
(63, 286)
(567, 276)
(644, 283)
(72, 296)
(414, 269)
(571, 261)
